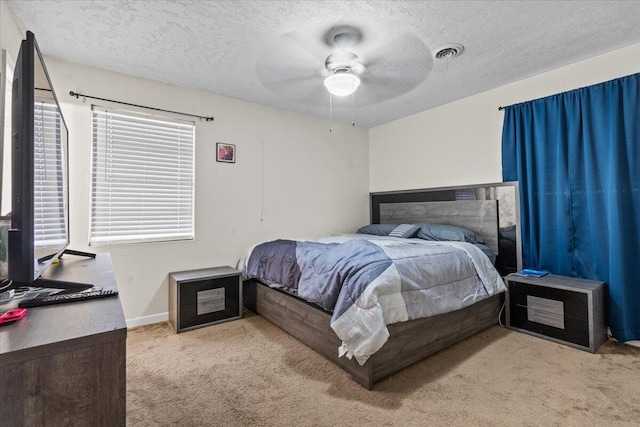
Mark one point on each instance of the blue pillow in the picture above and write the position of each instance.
(448, 232)
(405, 230)
(377, 229)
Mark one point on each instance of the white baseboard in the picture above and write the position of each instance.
(147, 320)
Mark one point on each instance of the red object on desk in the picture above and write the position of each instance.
(13, 315)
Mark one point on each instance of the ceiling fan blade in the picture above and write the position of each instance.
(396, 72)
(294, 67)
(308, 45)
(296, 89)
(303, 92)
(296, 80)
(382, 90)
(279, 69)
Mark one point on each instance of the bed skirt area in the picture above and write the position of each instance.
(408, 343)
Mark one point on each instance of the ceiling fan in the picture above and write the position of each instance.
(379, 64)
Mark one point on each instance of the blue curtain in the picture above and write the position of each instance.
(577, 158)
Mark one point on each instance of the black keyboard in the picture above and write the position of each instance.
(61, 299)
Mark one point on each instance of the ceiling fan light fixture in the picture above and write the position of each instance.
(342, 83)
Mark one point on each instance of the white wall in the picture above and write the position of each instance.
(10, 35)
(460, 143)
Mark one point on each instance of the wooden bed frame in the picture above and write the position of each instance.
(409, 341)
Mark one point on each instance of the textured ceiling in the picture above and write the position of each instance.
(273, 52)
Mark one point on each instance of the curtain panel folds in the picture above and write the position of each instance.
(577, 158)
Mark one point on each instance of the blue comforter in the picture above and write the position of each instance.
(371, 282)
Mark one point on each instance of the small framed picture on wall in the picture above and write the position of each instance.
(225, 153)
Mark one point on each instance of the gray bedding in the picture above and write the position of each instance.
(370, 282)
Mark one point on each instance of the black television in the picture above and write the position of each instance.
(39, 231)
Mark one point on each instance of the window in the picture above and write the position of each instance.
(50, 228)
(142, 178)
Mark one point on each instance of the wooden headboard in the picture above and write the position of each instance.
(480, 216)
(490, 210)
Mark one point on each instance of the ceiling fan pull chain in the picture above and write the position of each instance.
(330, 114)
(353, 107)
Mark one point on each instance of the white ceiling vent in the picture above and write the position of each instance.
(449, 51)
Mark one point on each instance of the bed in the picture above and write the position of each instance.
(477, 208)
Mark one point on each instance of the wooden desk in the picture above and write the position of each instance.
(65, 364)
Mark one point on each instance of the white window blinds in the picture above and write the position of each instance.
(50, 228)
(142, 178)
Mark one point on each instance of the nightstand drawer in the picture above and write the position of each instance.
(204, 297)
(563, 309)
(550, 312)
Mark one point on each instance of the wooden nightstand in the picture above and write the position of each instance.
(563, 309)
(204, 297)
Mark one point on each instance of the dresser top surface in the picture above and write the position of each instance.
(58, 324)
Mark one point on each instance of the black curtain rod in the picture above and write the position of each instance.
(500, 108)
(78, 95)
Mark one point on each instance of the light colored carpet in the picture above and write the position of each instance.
(251, 373)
